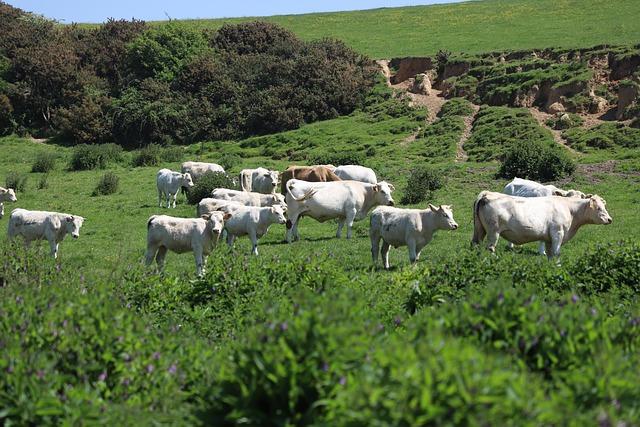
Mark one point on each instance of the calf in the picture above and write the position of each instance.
(180, 235)
(197, 169)
(356, 173)
(346, 201)
(413, 228)
(259, 180)
(553, 220)
(248, 198)
(169, 184)
(208, 205)
(38, 225)
(253, 222)
(6, 195)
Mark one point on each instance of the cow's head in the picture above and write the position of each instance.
(444, 217)
(278, 199)
(216, 221)
(73, 224)
(382, 192)
(272, 177)
(277, 212)
(597, 212)
(8, 194)
(186, 180)
(576, 193)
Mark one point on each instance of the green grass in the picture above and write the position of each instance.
(607, 136)
(472, 27)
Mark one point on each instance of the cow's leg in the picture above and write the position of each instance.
(160, 198)
(541, 248)
(54, 248)
(492, 240)
(375, 246)
(197, 253)
(510, 245)
(160, 256)
(174, 196)
(1, 210)
(340, 225)
(292, 224)
(150, 254)
(556, 242)
(351, 216)
(385, 254)
(254, 242)
(411, 245)
(230, 239)
(167, 197)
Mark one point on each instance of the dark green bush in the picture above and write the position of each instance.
(154, 155)
(86, 157)
(456, 107)
(45, 162)
(536, 160)
(606, 135)
(16, 180)
(421, 183)
(339, 158)
(206, 184)
(440, 138)
(43, 182)
(229, 161)
(108, 184)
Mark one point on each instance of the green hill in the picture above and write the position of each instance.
(472, 27)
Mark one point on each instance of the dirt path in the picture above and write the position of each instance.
(541, 117)
(386, 72)
(433, 102)
(461, 155)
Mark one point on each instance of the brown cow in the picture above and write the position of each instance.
(317, 173)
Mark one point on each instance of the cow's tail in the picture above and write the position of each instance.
(478, 229)
(245, 180)
(150, 221)
(307, 195)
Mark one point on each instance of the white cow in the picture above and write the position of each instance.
(413, 228)
(259, 180)
(198, 169)
(553, 220)
(180, 235)
(6, 195)
(356, 173)
(346, 201)
(249, 198)
(169, 184)
(253, 222)
(38, 225)
(208, 205)
(527, 188)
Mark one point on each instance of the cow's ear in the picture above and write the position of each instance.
(391, 187)
(226, 216)
(205, 217)
(376, 188)
(557, 193)
(588, 196)
(70, 218)
(433, 208)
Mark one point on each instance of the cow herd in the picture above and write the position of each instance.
(526, 211)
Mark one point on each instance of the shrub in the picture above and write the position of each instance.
(86, 157)
(45, 162)
(206, 184)
(154, 154)
(456, 107)
(606, 135)
(440, 138)
(229, 161)
(421, 183)
(86, 122)
(536, 160)
(564, 121)
(16, 180)
(43, 182)
(108, 184)
(339, 158)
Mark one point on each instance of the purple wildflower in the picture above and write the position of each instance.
(102, 376)
(172, 369)
(574, 298)
(65, 322)
(10, 369)
(150, 368)
(397, 321)
(325, 367)
(40, 374)
(126, 381)
(343, 380)
(500, 297)
(284, 326)
(156, 355)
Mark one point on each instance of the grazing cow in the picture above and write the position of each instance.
(198, 169)
(356, 173)
(38, 225)
(169, 184)
(553, 220)
(6, 195)
(180, 235)
(208, 205)
(526, 188)
(318, 173)
(413, 228)
(248, 198)
(253, 222)
(346, 201)
(259, 180)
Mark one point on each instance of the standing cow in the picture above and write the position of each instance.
(318, 173)
(253, 222)
(259, 180)
(346, 201)
(356, 173)
(413, 228)
(169, 184)
(180, 235)
(197, 169)
(248, 198)
(6, 195)
(553, 220)
(527, 188)
(38, 225)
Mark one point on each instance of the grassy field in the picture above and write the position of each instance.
(471, 27)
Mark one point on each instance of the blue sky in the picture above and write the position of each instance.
(98, 11)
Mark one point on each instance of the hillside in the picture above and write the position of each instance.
(472, 27)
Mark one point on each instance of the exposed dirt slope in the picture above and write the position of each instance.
(461, 155)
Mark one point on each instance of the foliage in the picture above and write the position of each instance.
(229, 161)
(564, 121)
(45, 162)
(43, 182)
(88, 121)
(421, 183)
(16, 180)
(604, 136)
(439, 139)
(87, 157)
(537, 161)
(206, 184)
(338, 158)
(154, 155)
(108, 184)
(456, 107)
